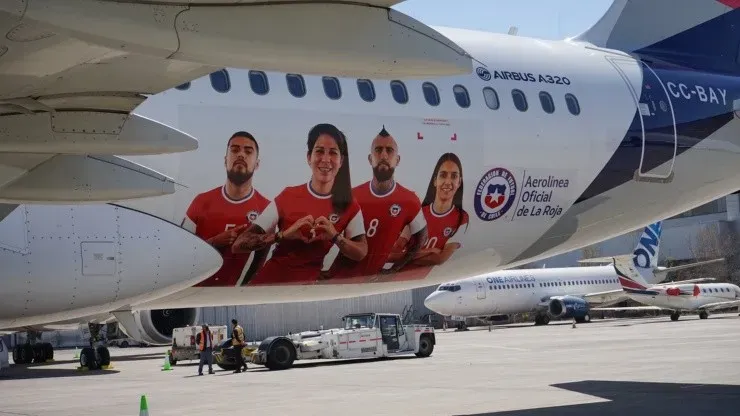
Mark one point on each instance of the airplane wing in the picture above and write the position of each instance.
(605, 298)
(720, 305)
(629, 308)
(72, 72)
(662, 272)
(677, 282)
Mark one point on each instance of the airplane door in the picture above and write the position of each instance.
(480, 289)
(653, 131)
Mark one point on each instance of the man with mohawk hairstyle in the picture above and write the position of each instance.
(387, 207)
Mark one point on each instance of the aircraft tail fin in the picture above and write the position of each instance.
(699, 34)
(644, 259)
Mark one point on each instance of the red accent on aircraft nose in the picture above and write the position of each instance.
(730, 3)
(696, 290)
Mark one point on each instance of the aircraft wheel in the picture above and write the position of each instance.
(87, 359)
(675, 316)
(17, 355)
(703, 315)
(104, 355)
(48, 351)
(39, 355)
(26, 354)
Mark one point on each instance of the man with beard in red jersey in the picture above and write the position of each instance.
(221, 214)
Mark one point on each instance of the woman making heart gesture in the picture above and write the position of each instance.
(306, 220)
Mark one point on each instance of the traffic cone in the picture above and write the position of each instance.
(167, 366)
(143, 408)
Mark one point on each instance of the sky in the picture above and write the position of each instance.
(546, 19)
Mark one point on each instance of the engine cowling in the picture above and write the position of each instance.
(156, 326)
(564, 307)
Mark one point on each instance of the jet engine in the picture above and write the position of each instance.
(565, 307)
(156, 326)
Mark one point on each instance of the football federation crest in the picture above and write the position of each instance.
(495, 194)
(447, 231)
(333, 218)
(252, 215)
(395, 210)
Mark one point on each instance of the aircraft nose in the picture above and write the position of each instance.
(439, 302)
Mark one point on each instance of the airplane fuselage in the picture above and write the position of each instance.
(548, 146)
(685, 297)
(518, 291)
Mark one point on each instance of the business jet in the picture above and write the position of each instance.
(555, 293)
(677, 297)
(161, 157)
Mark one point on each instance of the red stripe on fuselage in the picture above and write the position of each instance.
(730, 3)
(630, 284)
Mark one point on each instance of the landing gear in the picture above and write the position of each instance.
(33, 351)
(703, 315)
(675, 316)
(95, 357)
(541, 320)
(584, 319)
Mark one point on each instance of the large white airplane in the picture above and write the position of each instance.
(469, 151)
(676, 297)
(554, 293)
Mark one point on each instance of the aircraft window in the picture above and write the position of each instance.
(461, 96)
(366, 89)
(400, 94)
(183, 87)
(431, 94)
(547, 104)
(520, 100)
(296, 85)
(704, 290)
(491, 98)
(490, 287)
(332, 89)
(572, 102)
(220, 81)
(258, 82)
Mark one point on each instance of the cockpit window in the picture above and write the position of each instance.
(449, 288)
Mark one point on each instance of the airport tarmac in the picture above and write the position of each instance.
(607, 367)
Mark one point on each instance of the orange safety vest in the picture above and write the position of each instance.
(202, 345)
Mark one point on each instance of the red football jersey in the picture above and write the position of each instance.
(441, 226)
(294, 260)
(212, 213)
(385, 217)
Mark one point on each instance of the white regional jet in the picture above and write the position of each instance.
(342, 149)
(557, 293)
(677, 297)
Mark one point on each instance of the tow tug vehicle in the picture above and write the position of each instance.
(365, 335)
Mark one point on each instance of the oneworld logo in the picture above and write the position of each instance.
(647, 246)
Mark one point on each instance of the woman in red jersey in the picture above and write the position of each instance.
(444, 214)
(306, 220)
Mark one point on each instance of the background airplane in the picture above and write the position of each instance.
(677, 297)
(491, 167)
(555, 293)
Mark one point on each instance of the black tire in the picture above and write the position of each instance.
(281, 355)
(123, 344)
(675, 316)
(426, 346)
(48, 351)
(87, 359)
(17, 355)
(703, 315)
(104, 355)
(39, 355)
(26, 354)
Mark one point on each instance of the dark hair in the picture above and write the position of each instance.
(341, 191)
(233, 321)
(384, 132)
(457, 199)
(248, 136)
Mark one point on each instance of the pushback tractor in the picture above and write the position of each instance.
(364, 336)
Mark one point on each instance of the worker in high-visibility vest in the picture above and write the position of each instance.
(204, 339)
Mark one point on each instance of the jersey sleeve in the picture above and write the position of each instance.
(418, 221)
(457, 238)
(268, 219)
(356, 225)
(190, 221)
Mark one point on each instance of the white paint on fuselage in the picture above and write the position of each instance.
(686, 301)
(518, 291)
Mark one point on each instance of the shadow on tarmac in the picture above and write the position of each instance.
(640, 398)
